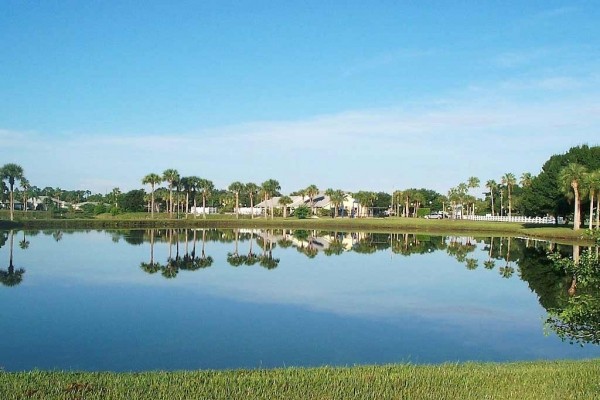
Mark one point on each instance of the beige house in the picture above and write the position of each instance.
(321, 202)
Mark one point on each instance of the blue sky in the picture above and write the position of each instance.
(351, 95)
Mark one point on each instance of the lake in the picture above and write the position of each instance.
(175, 299)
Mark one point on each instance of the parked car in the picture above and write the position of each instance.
(434, 216)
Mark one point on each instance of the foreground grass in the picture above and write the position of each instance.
(531, 380)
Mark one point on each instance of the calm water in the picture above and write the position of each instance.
(183, 299)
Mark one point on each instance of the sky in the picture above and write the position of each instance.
(348, 95)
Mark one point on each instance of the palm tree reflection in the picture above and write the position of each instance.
(11, 276)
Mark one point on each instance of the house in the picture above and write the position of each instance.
(320, 202)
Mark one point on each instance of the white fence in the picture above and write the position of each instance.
(200, 210)
(524, 220)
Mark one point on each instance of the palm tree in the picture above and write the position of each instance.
(206, 187)
(473, 183)
(26, 186)
(311, 191)
(509, 180)
(526, 178)
(151, 179)
(171, 176)
(11, 172)
(592, 182)
(492, 185)
(251, 190)
(270, 187)
(337, 198)
(236, 188)
(569, 178)
(186, 184)
(285, 201)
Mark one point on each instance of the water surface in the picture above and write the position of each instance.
(189, 299)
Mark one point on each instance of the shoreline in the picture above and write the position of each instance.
(385, 225)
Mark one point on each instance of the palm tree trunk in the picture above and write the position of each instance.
(203, 206)
(237, 205)
(591, 210)
(576, 215)
(251, 207)
(492, 197)
(12, 203)
(598, 212)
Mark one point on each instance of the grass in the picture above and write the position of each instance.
(527, 380)
(410, 225)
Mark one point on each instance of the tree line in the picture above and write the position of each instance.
(568, 185)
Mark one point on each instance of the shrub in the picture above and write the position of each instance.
(302, 212)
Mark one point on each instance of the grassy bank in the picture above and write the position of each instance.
(534, 380)
(410, 225)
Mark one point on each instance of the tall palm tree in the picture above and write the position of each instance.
(270, 187)
(151, 179)
(171, 176)
(26, 186)
(311, 191)
(473, 183)
(186, 184)
(338, 197)
(251, 190)
(206, 187)
(12, 172)
(491, 185)
(592, 182)
(509, 180)
(285, 201)
(236, 188)
(570, 177)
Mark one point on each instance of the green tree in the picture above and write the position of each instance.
(526, 179)
(26, 186)
(592, 182)
(133, 201)
(251, 189)
(509, 180)
(492, 186)
(236, 188)
(206, 187)
(11, 173)
(473, 183)
(270, 188)
(171, 176)
(312, 191)
(285, 201)
(570, 177)
(152, 179)
(544, 196)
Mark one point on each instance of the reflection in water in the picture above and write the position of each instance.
(567, 284)
(576, 317)
(11, 276)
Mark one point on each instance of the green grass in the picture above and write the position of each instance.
(530, 380)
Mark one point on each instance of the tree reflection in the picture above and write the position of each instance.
(235, 259)
(151, 267)
(578, 318)
(266, 259)
(11, 276)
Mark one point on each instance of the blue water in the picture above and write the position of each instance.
(84, 303)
